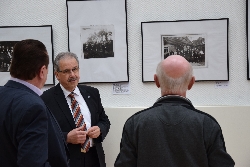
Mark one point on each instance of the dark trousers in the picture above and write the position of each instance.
(91, 158)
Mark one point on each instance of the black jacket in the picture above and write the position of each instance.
(172, 133)
(54, 98)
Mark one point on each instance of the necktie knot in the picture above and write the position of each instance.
(71, 95)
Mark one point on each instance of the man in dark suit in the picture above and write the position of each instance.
(58, 99)
(172, 132)
(30, 135)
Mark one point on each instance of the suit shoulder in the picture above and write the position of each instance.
(88, 88)
(206, 116)
(30, 100)
(140, 113)
(48, 91)
(25, 95)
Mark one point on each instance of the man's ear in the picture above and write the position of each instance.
(56, 74)
(42, 73)
(156, 81)
(191, 83)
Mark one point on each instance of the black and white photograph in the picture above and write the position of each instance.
(6, 51)
(97, 41)
(190, 46)
(97, 34)
(204, 43)
(10, 35)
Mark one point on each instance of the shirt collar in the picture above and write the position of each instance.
(173, 98)
(32, 87)
(66, 92)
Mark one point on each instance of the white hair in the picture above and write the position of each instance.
(63, 55)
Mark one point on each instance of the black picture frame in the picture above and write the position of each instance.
(10, 35)
(97, 34)
(248, 37)
(205, 39)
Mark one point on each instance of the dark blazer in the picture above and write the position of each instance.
(30, 135)
(54, 98)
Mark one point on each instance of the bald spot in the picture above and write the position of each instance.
(175, 66)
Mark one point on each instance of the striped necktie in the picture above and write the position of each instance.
(79, 120)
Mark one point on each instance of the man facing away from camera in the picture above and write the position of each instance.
(172, 132)
(30, 135)
(79, 111)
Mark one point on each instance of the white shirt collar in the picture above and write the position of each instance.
(66, 92)
(32, 87)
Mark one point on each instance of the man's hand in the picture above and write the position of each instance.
(94, 132)
(77, 135)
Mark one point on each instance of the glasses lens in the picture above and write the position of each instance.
(67, 71)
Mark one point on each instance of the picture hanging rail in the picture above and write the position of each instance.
(10, 35)
(204, 43)
(97, 33)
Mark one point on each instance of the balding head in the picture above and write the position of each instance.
(175, 66)
(174, 75)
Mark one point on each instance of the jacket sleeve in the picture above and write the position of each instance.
(215, 145)
(127, 156)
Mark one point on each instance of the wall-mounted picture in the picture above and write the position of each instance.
(6, 51)
(97, 31)
(204, 43)
(190, 46)
(248, 38)
(97, 41)
(10, 35)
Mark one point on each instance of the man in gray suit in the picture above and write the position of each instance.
(172, 132)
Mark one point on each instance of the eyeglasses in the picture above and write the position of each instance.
(68, 71)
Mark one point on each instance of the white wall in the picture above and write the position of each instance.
(233, 120)
(53, 12)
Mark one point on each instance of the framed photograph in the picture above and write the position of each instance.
(204, 43)
(248, 38)
(97, 33)
(10, 35)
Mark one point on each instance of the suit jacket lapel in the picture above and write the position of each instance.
(62, 102)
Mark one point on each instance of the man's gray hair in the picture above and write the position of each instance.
(64, 55)
(171, 85)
